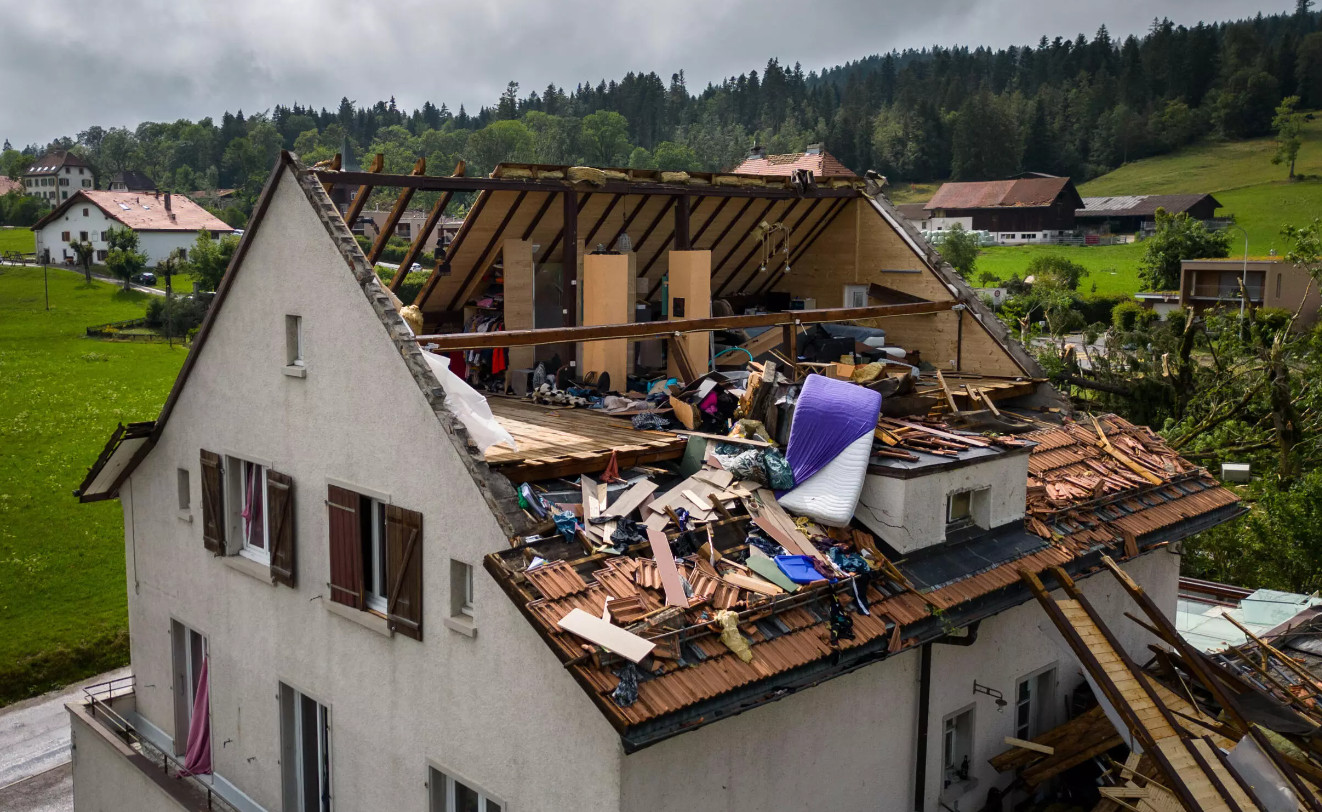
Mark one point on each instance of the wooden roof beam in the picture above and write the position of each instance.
(558, 335)
(436, 183)
(716, 269)
(682, 216)
(751, 251)
(628, 221)
(469, 219)
(771, 276)
(697, 235)
(660, 215)
(537, 218)
(364, 192)
(592, 232)
(392, 220)
(419, 240)
(479, 269)
(555, 243)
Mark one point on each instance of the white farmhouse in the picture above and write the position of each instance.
(382, 622)
(164, 223)
(57, 175)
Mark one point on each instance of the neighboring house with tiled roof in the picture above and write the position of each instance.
(1024, 210)
(57, 175)
(129, 180)
(164, 222)
(391, 618)
(8, 185)
(1130, 214)
(815, 158)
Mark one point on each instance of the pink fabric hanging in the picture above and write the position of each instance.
(252, 508)
(197, 756)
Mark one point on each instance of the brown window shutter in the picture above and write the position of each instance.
(404, 571)
(346, 547)
(280, 507)
(213, 503)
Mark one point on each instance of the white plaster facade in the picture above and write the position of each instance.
(88, 219)
(910, 513)
(496, 709)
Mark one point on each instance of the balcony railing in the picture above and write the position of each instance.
(1226, 293)
(100, 706)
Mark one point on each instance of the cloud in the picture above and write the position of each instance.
(68, 64)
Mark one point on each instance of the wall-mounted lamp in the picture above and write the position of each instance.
(979, 688)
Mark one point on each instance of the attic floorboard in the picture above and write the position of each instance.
(563, 442)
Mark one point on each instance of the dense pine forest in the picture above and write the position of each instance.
(1067, 106)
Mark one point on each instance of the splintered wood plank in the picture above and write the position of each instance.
(632, 499)
(665, 565)
(603, 633)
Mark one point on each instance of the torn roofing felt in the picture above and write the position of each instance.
(693, 676)
(496, 490)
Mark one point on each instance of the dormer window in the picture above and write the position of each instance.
(959, 508)
(968, 508)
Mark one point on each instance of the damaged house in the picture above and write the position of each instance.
(669, 491)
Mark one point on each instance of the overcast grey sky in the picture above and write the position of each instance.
(66, 64)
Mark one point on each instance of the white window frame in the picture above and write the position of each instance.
(235, 498)
(183, 489)
(293, 340)
(953, 750)
(293, 746)
(1038, 704)
(375, 595)
(183, 640)
(441, 791)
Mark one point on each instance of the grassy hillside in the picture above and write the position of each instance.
(1112, 268)
(62, 593)
(1211, 166)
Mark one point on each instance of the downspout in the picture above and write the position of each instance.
(924, 709)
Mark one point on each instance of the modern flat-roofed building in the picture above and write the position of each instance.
(1269, 281)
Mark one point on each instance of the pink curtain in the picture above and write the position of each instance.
(197, 756)
(252, 508)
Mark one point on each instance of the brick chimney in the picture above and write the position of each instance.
(167, 201)
(758, 152)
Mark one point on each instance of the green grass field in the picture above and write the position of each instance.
(21, 240)
(1112, 268)
(62, 593)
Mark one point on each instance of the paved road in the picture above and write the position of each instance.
(51, 791)
(34, 734)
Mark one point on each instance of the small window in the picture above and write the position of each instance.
(461, 590)
(375, 589)
(1278, 285)
(294, 341)
(956, 747)
(84, 212)
(449, 794)
(105, 236)
(64, 236)
(82, 235)
(101, 256)
(1034, 704)
(248, 509)
(182, 487)
(305, 747)
(856, 295)
(404, 230)
(959, 507)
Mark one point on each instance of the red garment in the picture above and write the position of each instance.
(457, 364)
(197, 755)
(499, 361)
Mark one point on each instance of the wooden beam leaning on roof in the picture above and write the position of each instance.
(1198, 666)
(392, 220)
(556, 335)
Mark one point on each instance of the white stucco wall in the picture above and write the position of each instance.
(497, 709)
(910, 514)
(851, 743)
(157, 245)
(103, 778)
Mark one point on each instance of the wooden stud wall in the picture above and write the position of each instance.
(517, 259)
(690, 280)
(606, 300)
